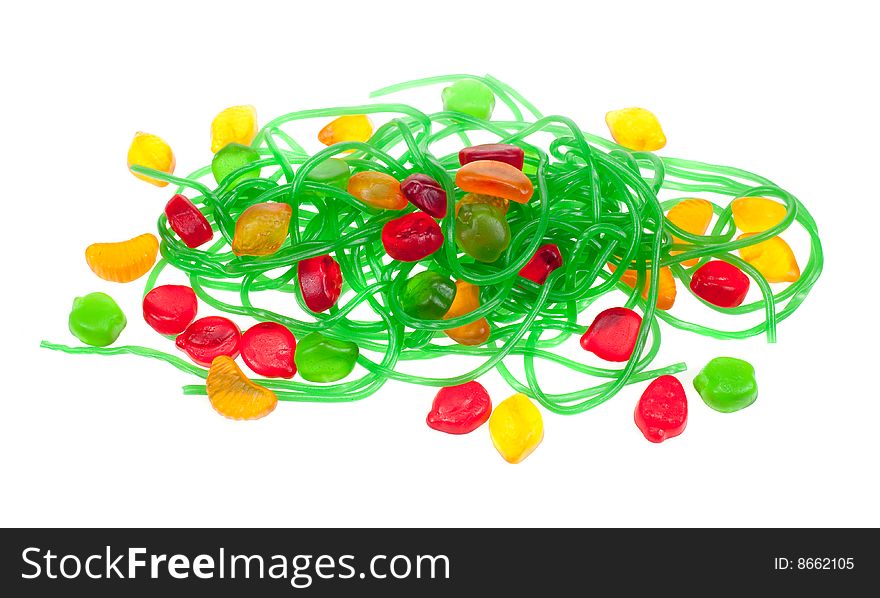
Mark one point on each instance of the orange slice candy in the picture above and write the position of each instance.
(123, 261)
(233, 395)
(665, 293)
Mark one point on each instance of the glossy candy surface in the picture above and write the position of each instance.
(727, 384)
(170, 308)
(209, 337)
(665, 294)
(236, 124)
(425, 193)
(377, 190)
(756, 214)
(332, 171)
(720, 284)
(188, 222)
(636, 128)
(268, 348)
(499, 152)
(322, 359)
(612, 335)
(546, 259)
(351, 127)
(150, 151)
(320, 282)
(123, 261)
(694, 216)
(470, 97)
(427, 295)
(467, 299)
(662, 410)
(516, 428)
(96, 319)
(230, 158)
(482, 232)
(499, 203)
(233, 395)
(499, 179)
(412, 237)
(773, 258)
(460, 409)
(261, 229)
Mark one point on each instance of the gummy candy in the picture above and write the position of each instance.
(206, 338)
(237, 124)
(467, 299)
(773, 258)
(665, 294)
(482, 232)
(636, 128)
(460, 409)
(170, 308)
(612, 335)
(232, 157)
(499, 179)
(261, 229)
(694, 216)
(320, 282)
(96, 319)
(516, 428)
(427, 295)
(123, 261)
(469, 96)
(546, 259)
(332, 171)
(377, 190)
(425, 193)
(499, 152)
(233, 395)
(268, 348)
(353, 127)
(499, 203)
(412, 237)
(727, 384)
(662, 410)
(152, 152)
(188, 222)
(756, 214)
(322, 359)
(720, 283)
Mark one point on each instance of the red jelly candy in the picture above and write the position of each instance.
(207, 338)
(662, 411)
(412, 237)
(721, 284)
(500, 152)
(425, 193)
(460, 409)
(320, 281)
(546, 259)
(267, 348)
(187, 221)
(612, 335)
(170, 308)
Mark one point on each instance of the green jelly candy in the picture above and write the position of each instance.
(232, 157)
(727, 384)
(332, 171)
(469, 96)
(427, 295)
(322, 359)
(96, 319)
(481, 231)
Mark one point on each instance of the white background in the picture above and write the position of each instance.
(787, 90)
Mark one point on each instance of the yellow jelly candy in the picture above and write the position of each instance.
(773, 258)
(237, 124)
(123, 261)
(261, 229)
(233, 395)
(355, 127)
(667, 291)
(636, 128)
(467, 299)
(692, 215)
(756, 214)
(516, 428)
(150, 151)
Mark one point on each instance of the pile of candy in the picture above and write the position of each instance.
(493, 249)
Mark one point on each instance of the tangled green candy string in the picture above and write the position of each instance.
(598, 202)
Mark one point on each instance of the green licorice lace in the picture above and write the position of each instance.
(594, 199)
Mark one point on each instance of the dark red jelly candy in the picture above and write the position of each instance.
(500, 152)
(412, 237)
(460, 409)
(170, 308)
(268, 349)
(320, 281)
(612, 335)
(546, 259)
(187, 221)
(210, 337)
(425, 193)
(721, 284)
(662, 412)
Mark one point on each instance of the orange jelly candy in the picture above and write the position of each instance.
(233, 395)
(665, 294)
(261, 229)
(467, 299)
(499, 179)
(353, 127)
(123, 261)
(377, 190)
(773, 258)
(692, 215)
